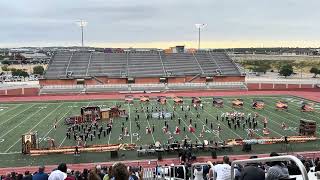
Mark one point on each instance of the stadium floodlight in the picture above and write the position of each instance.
(199, 27)
(82, 23)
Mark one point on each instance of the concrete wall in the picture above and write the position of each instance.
(19, 92)
(155, 80)
(176, 80)
(229, 79)
(116, 81)
(269, 86)
(51, 82)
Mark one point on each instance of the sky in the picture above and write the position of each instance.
(160, 23)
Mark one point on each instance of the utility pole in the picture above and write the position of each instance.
(199, 27)
(82, 23)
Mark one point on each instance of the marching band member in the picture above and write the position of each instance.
(138, 138)
(265, 122)
(191, 129)
(265, 131)
(120, 137)
(126, 132)
(147, 130)
(164, 129)
(283, 126)
(177, 131)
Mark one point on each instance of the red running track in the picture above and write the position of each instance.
(309, 94)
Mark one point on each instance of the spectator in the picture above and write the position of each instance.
(293, 169)
(41, 175)
(316, 161)
(60, 173)
(198, 173)
(133, 175)
(180, 172)
(8, 177)
(222, 171)
(85, 174)
(13, 175)
(120, 172)
(237, 171)
(277, 170)
(252, 171)
(19, 177)
(307, 166)
(93, 175)
(108, 175)
(99, 171)
(27, 176)
(317, 168)
(77, 175)
(70, 175)
(317, 174)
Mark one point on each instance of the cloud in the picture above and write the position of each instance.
(146, 21)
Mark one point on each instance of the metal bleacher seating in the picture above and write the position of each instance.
(58, 65)
(180, 64)
(225, 63)
(139, 64)
(142, 65)
(88, 65)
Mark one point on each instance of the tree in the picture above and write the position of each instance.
(300, 65)
(261, 68)
(315, 71)
(5, 62)
(5, 68)
(38, 70)
(286, 70)
(19, 72)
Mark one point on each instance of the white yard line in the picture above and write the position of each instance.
(16, 152)
(57, 123)
(109, 137)
(184, 122)
(204, 123)
(259, 114)
(20, 123)
(130, 122)
(63, 141)
(66, 136)
(16, 115)
(4, 112)
(154, 141)
(35, 126)
(223, 123)
(269, 119)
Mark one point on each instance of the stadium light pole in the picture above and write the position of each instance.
(199, 27)
(82, 23)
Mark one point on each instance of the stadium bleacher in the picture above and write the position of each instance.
(139, 64)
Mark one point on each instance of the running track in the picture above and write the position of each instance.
(313, 94)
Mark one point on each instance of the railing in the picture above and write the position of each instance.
(212, 59)
(88, 66)
(164, 69)
(68, 64)
(198, 63)
(271, 159)
(281, 81)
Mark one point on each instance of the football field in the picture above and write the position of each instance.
(22, 117)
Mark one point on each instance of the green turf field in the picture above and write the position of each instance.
(19, 118)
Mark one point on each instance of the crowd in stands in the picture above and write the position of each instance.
(276, 170)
